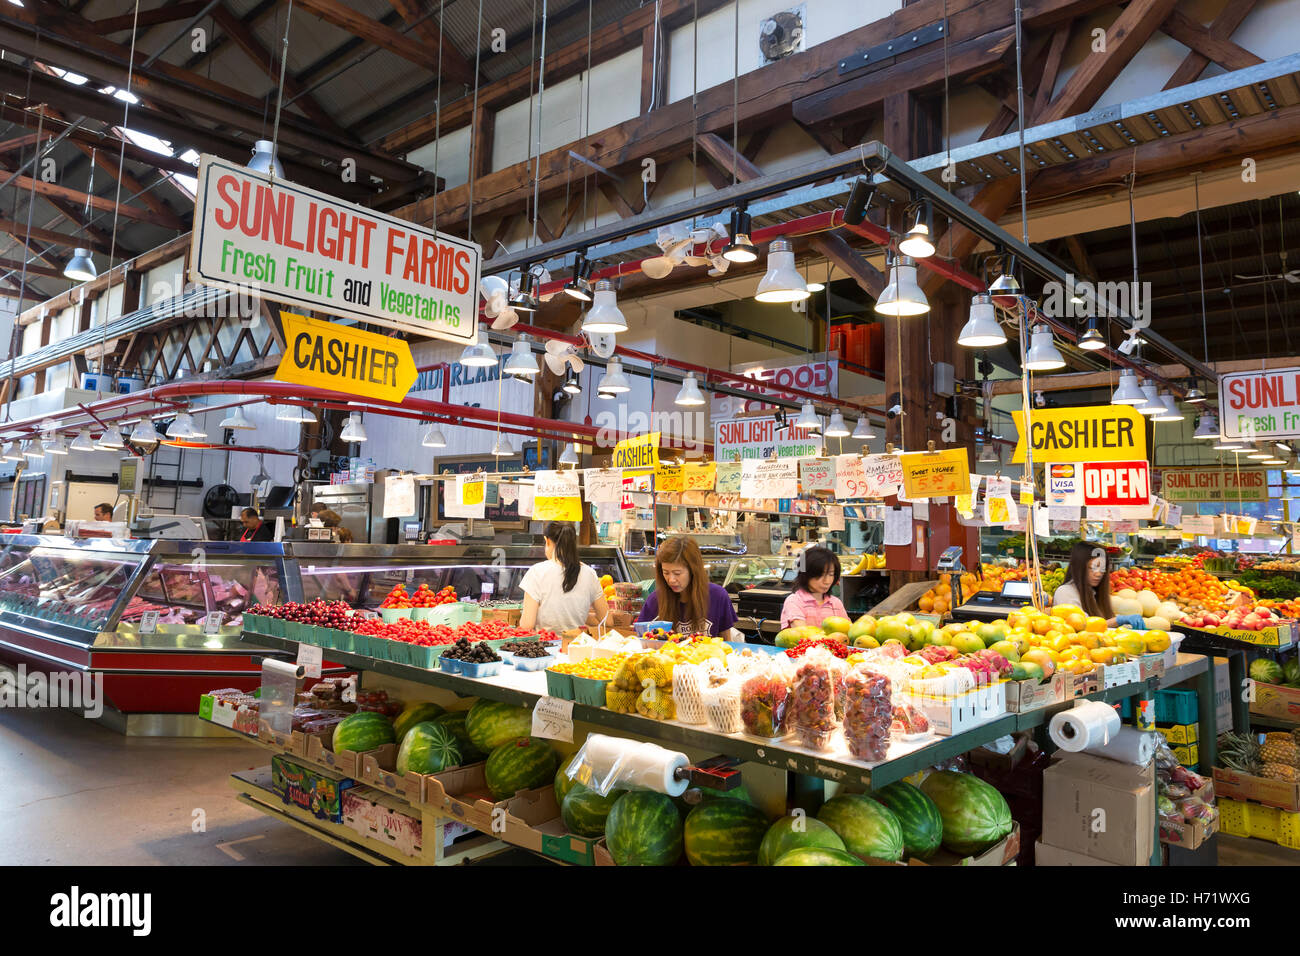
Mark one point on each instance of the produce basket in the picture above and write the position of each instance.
(399, 652)
(531, 663)
(454, 615)
(450, 665)
(642, 626)
(559, 685)
(344, 641)
(425, 656)
(293, 631)
(256, 623)
(589, 691)
(422, 613)
(361, 645)
(488, 669)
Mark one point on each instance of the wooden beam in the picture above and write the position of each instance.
(1224, 25)
(832, 246)
(1128, 34)
(1046, 82)
(372, 31)
(103, 203)
(19, 231)
(1202, 39)
(621, 206)
(133, 186)
(269, 63)
(32, 270)
(1079, 255)
(167, 13)
(22, 142)
(454, 63)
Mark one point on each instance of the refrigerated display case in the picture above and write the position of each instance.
(79, 606)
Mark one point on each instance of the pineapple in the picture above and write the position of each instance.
(1279, 749)
(1280, 771)
(1274, 759)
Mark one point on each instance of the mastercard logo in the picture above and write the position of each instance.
(1062, 471)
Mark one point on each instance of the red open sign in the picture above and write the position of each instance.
(1116, 483)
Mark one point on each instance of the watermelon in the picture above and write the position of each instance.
(818, 856)
(519, 764)
(644, 829)
(722, 832)
(491, 723)
(1265, 671)
(1291, 670)
(975, 816)
(563, 783)
(693, 797)
(584, 810)
(427, 748)
(791, 832)
(917, 815)
(866, 827)
(455, 722)
(414, 714)
(362, 731)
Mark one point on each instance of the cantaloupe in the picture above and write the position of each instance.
(1126, 593)
(1123, 605)
(1169, 611)
(1157, 623)
(1149, 601)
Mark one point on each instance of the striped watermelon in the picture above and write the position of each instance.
(414, 714)
(455, 722)
(791, 832)
(917, 815)
(362, 731)
(818, 856)
(584, 811)
(644, 829)
(866, 827)
(490, 723)
(519, 764)
(975, 816)
(721, 832)
(563, 783)
(427, 748)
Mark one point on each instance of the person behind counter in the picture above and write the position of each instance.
(103, 511)
(559, 591)
(1087, 586)
(685, 597)
(811, 601)
(255, 529)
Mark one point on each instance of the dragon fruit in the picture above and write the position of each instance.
(937, 653)
(909, 720)
(999, 663)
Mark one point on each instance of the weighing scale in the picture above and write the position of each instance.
(988, 606)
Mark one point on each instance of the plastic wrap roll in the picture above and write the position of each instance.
(620, 763)
(1130, 745)
(1088, 724)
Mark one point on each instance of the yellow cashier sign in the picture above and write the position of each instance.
(345, 359)
(1096, 433)
(637, 455)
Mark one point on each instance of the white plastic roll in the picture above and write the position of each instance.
(1089, 723)
(634, 764)
(1130, 745)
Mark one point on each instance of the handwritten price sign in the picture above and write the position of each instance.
(770, 479)
(817, 474)
(936, 474)
(698, 476)
(668, 478)
(728, 478)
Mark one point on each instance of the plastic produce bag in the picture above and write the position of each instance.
(813, 692)
(619, 700)
(868, 713)
(655, 702)
(722, 704)
(764, 698)
(689, 682)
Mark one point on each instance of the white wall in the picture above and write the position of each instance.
(451, 154)
(164, 282)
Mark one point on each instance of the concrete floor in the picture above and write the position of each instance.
(75, 793)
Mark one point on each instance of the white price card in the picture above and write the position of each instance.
(834, 518)
(898, 526)
(212, 623)
(553, 719)
(309, 658)
(149, 622)
(486, 589)
(603, 485)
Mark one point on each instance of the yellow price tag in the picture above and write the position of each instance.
(472, 492)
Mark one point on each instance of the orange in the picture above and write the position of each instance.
(1057, 641)
(926, 603)
(1077, 620)
(1042, 624)
(1094, 624)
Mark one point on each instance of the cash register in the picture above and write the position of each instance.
(993, 606)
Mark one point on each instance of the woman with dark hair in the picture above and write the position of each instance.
(684, 596)
(559, 591)
(811, 602)
(1087, 586)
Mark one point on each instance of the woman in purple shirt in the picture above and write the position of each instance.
(685, 597)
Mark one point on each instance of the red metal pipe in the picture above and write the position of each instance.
(204, 446)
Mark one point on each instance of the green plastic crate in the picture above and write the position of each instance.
(560, 685)
(589, 691)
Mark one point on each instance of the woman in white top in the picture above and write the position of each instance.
(560, 591)
(1087, 586)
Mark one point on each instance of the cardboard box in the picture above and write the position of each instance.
(317, 791)
(1222, 696)
(1101, 808)
(1179, 735)
(1189, 834)
(1244, 786)
(463, 795)
(373, 815)
(510, 615)
(952, 715)
(532, 821)
(1151, 665)
(1081, 685)
(1117, 675)
(218, 711)
(1027, 695)
(320, 752)
(378, 771)
(1002, 763)
(1047, 855)
(1002, 853)
(294, 743)
(1274, 700)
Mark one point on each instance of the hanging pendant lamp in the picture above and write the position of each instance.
(782, 281)
(982, 330)
(902, 297)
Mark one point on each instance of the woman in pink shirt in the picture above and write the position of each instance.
(812, 601)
